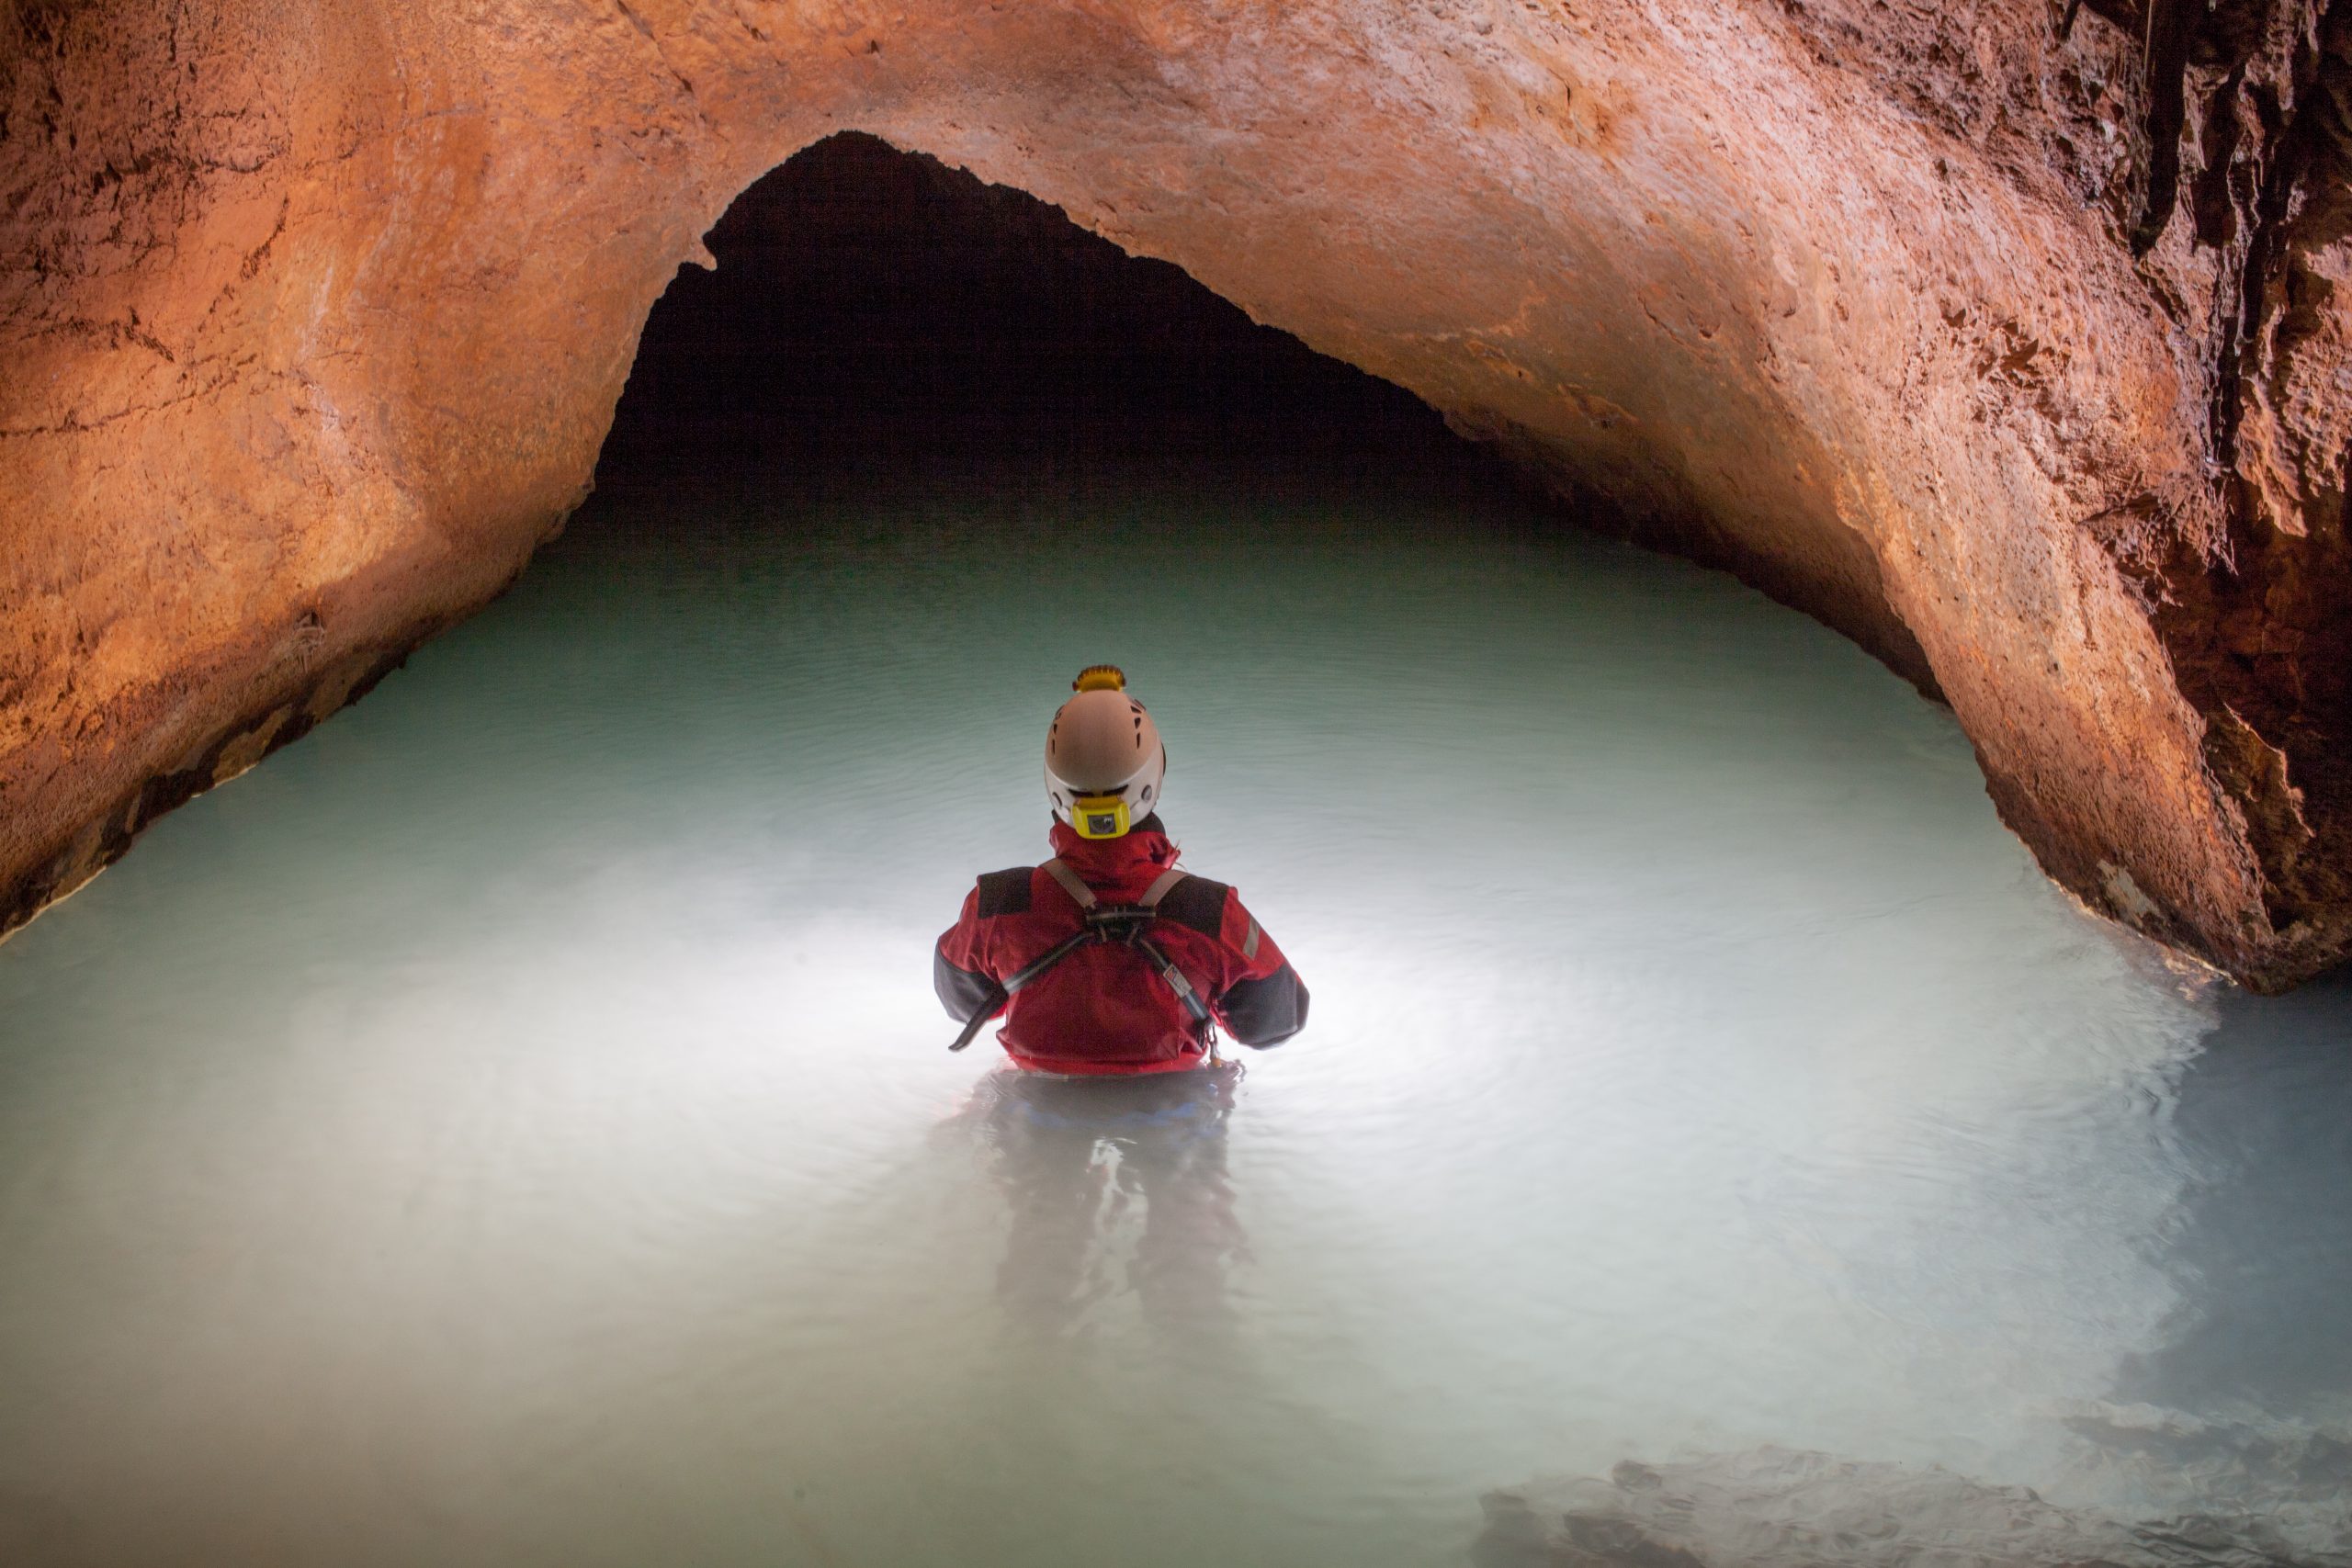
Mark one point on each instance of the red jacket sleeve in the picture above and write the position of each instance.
(959, 970)
(1259, 997)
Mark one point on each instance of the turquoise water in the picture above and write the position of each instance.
(514, 1126)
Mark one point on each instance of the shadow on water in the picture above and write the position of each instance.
(1095, 1169)
(2241, 1415)
(2263, 1256)
(2227, 1445)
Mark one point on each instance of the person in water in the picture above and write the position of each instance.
(1107, 959)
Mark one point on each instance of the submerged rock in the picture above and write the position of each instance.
(1784, 1509)
(2009, 337)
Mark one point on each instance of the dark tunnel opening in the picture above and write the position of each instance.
(876, 314)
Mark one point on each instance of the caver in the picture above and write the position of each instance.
(1110, 958)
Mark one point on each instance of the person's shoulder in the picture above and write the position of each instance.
(1196, 903)
(1006, 892)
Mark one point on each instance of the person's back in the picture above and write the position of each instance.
(1107, 959)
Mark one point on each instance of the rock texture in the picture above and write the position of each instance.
(2007, 335)
(1779, 1508)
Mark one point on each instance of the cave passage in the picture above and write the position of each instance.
(530, 1084)
(875, 315)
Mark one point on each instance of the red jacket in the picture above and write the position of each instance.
(1104, 1009)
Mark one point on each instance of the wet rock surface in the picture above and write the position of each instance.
(2009, 337)
(1780, 1506)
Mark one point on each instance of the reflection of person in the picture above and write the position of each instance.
(1108, 959)
(1077, 1157)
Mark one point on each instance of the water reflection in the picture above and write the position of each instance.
(1113, 1185)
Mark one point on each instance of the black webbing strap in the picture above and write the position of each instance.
(1121, 923)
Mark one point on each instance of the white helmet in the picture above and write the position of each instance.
(1103, 759)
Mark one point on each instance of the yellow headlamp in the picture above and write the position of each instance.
(1099, 817)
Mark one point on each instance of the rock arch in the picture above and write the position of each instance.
(2004, 336)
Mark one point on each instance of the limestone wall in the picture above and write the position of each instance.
(2002, 335)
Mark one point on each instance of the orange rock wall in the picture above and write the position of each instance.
(2004, 335)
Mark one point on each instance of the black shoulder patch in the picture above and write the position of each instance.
(1005, 892)
(1198, 903)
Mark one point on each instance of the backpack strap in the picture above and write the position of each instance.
(1072, 884)
(1085, 897)
(1131, 917)
(1197, 904)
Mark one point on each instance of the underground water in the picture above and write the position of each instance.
(531, 1082)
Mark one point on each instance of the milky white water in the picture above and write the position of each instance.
(514, 1125)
